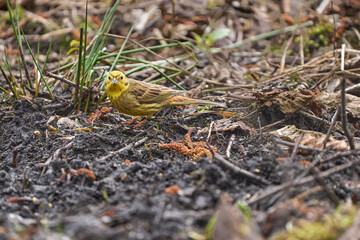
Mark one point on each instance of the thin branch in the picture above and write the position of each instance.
(240, 171)
(55, 156)
(333, 121)
(299, 182)
(300, 146)
(341, 154)
(210, 131)
(63, 79)
(324, 121)
(289, 165)
(228, 149)
(344, 117)
(316, 173)
(128, 147)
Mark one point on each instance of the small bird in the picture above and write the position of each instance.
(138, 98)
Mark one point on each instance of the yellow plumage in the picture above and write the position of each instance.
(138, 98)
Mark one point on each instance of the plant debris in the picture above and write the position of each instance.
(190, 148)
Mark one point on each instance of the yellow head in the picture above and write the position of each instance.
(116, 83)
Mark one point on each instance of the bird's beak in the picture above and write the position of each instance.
(114, 81)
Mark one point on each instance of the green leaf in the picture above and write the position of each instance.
(71, 50)
(245, 209)
(196, 236)
(197, 37)
(210, 226)
(219, 34)
(74, 43)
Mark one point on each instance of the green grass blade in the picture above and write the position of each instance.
(37, 66)
(77, 97)
(47, 54)
(121, 49)
(167, 78)
(4, 90)
(118, 55)
(267, 35)
(85, 43)
(143, 49)
(37, 82)
(18, 40)
(104, 55)
(21, 78)
(12, 88)
(149, 63)
(100, 41)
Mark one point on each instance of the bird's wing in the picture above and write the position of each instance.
(146, 93)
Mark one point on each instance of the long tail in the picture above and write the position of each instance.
(179, 101)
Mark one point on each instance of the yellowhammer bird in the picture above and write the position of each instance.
(138, 98)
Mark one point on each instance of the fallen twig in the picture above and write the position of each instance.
(298, 182)
(128, 147)
(289, 164)
(228, 149)
(316, 173)
(302, 147)
(344, 117)
(55, 156)
(63, 79)
(210, 130)
(24, 182)
(333, 121)
(341, 154)
(324, 121)
(240, 171)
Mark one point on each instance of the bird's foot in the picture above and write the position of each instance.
(131, 121)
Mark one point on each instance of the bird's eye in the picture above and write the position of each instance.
(121, 77)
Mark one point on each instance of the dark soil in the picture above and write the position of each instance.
(126, 200)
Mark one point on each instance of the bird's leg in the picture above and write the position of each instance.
(131, 121)
(135, 119)
(148, 118)
(142, 122)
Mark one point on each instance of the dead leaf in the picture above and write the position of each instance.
(290, 133)
(329, 100)
(333, 101)
(311, 138)
(292, 101)
(224, 125)
(318, 142)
